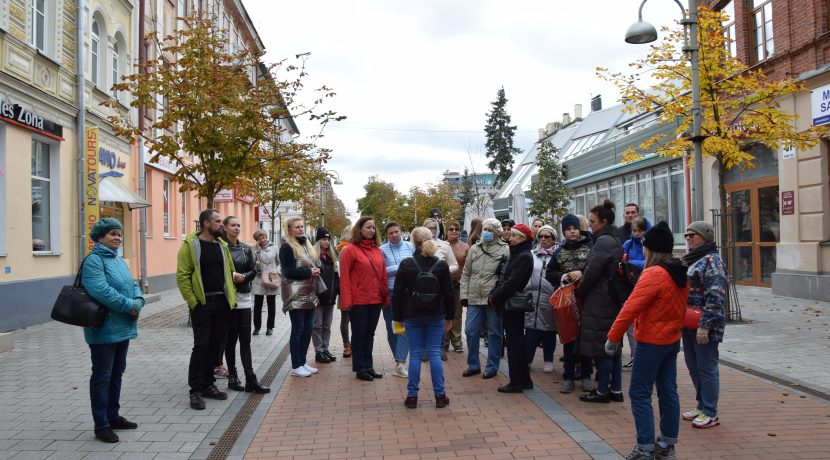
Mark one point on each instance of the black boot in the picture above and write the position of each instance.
(252, 385)
(233, 381)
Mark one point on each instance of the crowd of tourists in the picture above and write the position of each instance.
(505, 275)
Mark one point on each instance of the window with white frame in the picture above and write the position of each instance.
(729, 29)
(115, 67)
(184, 214)
(95, 50)
(39, 31)
(165, 192)
(42, 191)
(762, 24)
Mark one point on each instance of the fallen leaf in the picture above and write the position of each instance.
(212, 443)
(770, 434)
(785, 394)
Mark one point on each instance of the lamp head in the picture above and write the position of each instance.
(640, 32)
(338, 182)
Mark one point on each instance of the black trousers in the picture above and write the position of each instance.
(272, 311)
(239, 329)
(514, 329)
(209, 328)
(364, 319)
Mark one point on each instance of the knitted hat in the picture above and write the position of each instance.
(508, 222)
(104, 226)
(523, 229)
(659, 238)
(322, 233)
(703, 229)
(434, 212)
(570, 220)
(550, 229)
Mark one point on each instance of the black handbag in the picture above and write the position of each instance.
(521, 301)
(76, 307)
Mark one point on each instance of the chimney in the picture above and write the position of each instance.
(552, 127)
(596, 103)
(578, 112)
(542, 133)
(566, 119)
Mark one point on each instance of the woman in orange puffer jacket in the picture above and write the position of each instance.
(656, 307)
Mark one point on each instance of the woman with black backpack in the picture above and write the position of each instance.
(424, 301)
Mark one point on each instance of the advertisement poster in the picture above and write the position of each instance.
(91, 209)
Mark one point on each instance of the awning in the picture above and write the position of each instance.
(109, 189)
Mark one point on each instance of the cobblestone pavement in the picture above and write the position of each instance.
(44, 392)
(46, 413)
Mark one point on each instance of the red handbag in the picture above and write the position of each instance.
(566, 311)
(692, 317)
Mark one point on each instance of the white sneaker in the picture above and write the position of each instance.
(548, 367)
(311, 370)
(300, 372)
(691, 415)
(400, 371)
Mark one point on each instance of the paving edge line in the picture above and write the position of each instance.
(221, 431)
(775, 377)
(589, 441)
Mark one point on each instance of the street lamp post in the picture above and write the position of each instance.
(642, 32)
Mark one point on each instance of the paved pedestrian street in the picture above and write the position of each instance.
(45, 401)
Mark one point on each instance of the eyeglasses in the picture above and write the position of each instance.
(545, 237)
(689, 236)
(452, 229)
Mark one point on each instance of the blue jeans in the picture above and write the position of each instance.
(609, 374)
(655, 365)
(399, 344)
(586, 366)
(702, 361)
(302, 321)
(108, 363)
(532, 337)
(476, 316)
(425, 333)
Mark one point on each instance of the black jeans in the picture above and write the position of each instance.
(109, 361)
(209, 327)
(364, 319)
(344, 325)
(272, 311)
(239, 328)
(514, 328)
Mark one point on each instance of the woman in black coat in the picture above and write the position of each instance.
(514, 278)
(598, 310)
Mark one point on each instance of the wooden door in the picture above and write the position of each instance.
(754, 230)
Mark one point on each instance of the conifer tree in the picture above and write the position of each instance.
(499, 145)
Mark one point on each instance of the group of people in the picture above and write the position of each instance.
(421, 287)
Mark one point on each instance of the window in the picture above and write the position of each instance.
(661, 195)
(184, 214)
(41, 197)
(729, 28)
(630, 189)
(165, 192)
(94, 47)
(617, 199)
(3, 189)
(678, 203)
(762, 22)
(115, 68)
(38, 36)
(644, 195)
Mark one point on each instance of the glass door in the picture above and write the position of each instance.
(754, 231)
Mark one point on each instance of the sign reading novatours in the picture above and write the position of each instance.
(821, 106)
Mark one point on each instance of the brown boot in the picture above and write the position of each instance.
(347, 349)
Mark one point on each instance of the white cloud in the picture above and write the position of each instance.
(404, 70)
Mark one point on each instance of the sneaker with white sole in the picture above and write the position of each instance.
(311, 370)
(548, 367)
(300, 372)
(704, 421)
(691, 415)
(400, 371)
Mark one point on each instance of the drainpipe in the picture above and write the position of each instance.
(688, 184)
(142, 173)
(80, 123)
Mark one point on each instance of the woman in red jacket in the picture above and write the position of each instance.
(363, 292)
(656, 307)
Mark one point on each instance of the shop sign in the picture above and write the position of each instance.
(224, 196)
(91, 209)
(17, 115)
(821, 105)
(264, 214)
(165, 163)
(787, 203)
(112, 161)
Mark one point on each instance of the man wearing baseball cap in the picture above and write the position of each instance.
(435, 213)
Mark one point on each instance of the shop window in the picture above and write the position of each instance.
(678, 203)
(630, 189)
(644, 195)
(45, 201)
(762, 35)
(616, 192)
(165, 219)
(2, 189)
(661, 195)
(590, 198)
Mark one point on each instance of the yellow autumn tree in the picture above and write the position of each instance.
(739, 105)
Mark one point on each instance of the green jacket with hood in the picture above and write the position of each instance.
(189, 274)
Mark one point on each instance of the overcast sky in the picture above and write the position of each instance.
(416, 79)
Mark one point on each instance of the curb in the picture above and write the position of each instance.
(775, 377)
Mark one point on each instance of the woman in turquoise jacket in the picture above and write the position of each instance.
(107, 279)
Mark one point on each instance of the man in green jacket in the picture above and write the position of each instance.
(205, 275)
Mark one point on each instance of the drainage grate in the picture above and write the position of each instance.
(223, 447)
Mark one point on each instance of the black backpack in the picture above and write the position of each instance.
(622, 281)
(426, 290)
